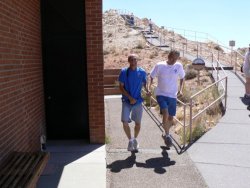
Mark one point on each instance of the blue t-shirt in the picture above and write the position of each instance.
(133, 81)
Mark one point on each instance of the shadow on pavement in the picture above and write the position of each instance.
(158, 163)
(118, 165)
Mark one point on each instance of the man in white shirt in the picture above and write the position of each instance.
(168, 73)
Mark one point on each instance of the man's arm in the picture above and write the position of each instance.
(125, 93)
(181, 87)
(150, 84)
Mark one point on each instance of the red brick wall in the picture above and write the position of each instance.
(21, 84)
(95, 70)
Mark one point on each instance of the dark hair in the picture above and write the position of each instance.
(174, 52)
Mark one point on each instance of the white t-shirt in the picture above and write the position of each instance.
(167, 78)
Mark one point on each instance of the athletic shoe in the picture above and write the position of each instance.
(167, 140)
(135, 144)
(130, 146)
(246, 97)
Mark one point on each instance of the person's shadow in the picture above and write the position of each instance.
(118, 165)
(158, 163)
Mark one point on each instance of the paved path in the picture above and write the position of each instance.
(154, 165)
(222, 154)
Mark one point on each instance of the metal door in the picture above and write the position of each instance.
(65, 69)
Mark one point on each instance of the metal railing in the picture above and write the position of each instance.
(192, 116)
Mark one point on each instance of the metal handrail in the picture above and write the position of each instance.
(224, 94)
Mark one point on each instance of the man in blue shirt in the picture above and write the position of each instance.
(131, 80)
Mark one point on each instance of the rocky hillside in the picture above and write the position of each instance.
(120, 40)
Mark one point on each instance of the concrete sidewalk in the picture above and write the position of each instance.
(222, 154)
(74, 164)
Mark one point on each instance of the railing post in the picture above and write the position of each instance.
(190, 120)
(235, 63)
(200, 49)
(184, 128)
(218, 55)
(217, 68)
(186, 46)
(197, 48)
(226, 94)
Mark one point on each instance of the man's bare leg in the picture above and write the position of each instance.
(137, 129)
(167, 122)
(126, 129)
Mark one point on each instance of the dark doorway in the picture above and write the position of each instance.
(65, 69)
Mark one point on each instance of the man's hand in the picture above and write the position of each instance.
(148, 93)
(179, 94)
(132, 100)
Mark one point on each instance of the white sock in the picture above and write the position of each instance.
(131, 139)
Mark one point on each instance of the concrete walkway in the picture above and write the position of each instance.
(74, 164)
(222, 154)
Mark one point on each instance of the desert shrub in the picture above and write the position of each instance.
(110, 35)
(214, 110)
(186, 95)
(105, 52)
(153, 54)
(218, 48)
(197, 131)
(190, 74)
(140, 45)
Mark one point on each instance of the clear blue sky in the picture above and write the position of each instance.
(223, 20)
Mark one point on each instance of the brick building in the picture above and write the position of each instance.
(51, 72)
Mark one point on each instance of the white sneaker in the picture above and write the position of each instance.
(135, 144)
(130, 146)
